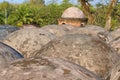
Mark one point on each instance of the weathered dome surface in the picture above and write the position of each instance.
(73, 12)
(46, 69)
(115, 42)
(88, 30)
(115, 34)
(116, 45)
(67, 26)
(85, 50)
(30, 26)
(27, 41)
(115, 73)
(92, 30)
(6, 30)
(57, 30)
(8, 54)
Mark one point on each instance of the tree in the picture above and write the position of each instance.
(108, 14)
(86, 9)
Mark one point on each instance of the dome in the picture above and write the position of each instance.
(73, 12)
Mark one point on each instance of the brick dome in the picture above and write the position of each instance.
(73, 12)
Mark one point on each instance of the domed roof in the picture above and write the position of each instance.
(73, 12)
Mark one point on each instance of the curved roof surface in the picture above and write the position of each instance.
(73, 12)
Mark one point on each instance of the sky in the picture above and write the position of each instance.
(13, 1)
(47, 1)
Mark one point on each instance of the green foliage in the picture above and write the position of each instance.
(50, 14)
(65, 4)
(41, 2)
(22, 15)
(29, 13)
(5, 11)
(99, 14)
(116, 17)
(41, 14)
(2, 17)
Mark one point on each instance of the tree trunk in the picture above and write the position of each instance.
(108, 14)
(87, 11)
